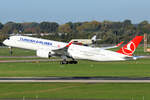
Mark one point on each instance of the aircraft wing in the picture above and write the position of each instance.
(62, 51)
(110, 47)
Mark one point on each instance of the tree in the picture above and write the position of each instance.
(89, 26)
(31, 27)
(74, 26)
(18, 27)
(143, 23)
(65, 28)
(127, 22)
(144, 27)
(11, 27)
(7, 29)
(1, 25)
(48, 27)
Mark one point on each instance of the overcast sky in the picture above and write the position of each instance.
(63, 11)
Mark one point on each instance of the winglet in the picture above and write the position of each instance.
(69, 44)
(119, 44)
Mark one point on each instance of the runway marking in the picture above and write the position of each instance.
(75, 81)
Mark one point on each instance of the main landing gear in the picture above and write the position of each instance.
(68, 62)
(73, 61)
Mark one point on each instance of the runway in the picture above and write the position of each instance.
(74, 80)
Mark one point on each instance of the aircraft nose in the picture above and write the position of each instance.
(5, 42)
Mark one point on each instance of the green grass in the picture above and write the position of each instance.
(75, 90)
(17, 52)
(138, 68)
(20, 58)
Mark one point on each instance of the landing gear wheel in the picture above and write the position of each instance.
(64, 62)
(73, 62)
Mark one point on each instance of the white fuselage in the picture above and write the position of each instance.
(75, 51)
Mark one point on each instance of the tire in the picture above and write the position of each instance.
(75, 62)
(64, 62)
(72, 62)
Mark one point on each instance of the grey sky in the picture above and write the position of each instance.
(63, 11)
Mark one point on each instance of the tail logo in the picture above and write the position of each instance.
(129, 49)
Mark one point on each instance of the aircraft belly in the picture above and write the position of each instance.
(95, 57)
(107, 58)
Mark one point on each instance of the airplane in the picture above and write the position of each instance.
(91, 42)
(49, 48)
(86, 42)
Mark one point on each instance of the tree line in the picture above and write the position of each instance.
(108, 31)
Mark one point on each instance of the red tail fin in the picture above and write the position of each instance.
(129, 48)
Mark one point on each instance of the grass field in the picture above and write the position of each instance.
(13, 58)
(138, 68)
(17, 52)
(75, 90)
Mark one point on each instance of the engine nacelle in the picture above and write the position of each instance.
(44, 53)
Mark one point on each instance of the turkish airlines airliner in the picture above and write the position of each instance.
(48, 48)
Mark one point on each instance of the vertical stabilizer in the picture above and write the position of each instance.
(129, 48)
